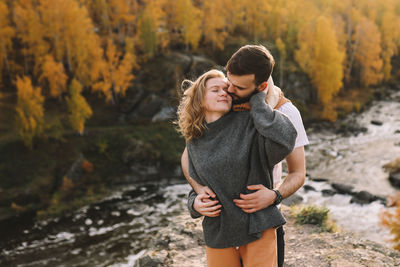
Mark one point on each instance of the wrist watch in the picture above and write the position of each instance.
(278, 198)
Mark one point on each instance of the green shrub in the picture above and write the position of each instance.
(314, 215)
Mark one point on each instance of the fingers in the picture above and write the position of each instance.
(212, 211)
(209, 192)
(244, 204)
(207, 207)
(255, 187)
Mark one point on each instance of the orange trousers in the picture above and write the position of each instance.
(259, 253)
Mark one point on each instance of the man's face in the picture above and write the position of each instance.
(241, 86)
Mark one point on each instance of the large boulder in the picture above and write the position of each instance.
(157, 86)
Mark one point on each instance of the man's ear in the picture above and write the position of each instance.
(262, 86)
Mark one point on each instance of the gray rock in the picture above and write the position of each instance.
(376, 122)
(148, 107)
(328, 192)
(394, 179)
(363, 197)
(343, 188)
(147, 261)
(165, 114)
(320, 179)
(309, 188)
(75, 172)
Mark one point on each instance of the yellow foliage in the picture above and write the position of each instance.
(255, 14)
(79, 109)
(188, 19)
(368, 53)
(319, 56)
(215, 22)
(31, 31)
(115, 73)
(29, 110)
(152, 27)
(54, 73)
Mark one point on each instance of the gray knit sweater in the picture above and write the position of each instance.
(237, 150)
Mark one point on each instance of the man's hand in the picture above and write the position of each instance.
(256, 201)
(207, 207)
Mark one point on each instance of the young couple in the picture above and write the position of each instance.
(238, 129)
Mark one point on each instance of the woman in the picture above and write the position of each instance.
(228, 151)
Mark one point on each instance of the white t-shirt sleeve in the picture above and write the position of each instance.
(294, 115)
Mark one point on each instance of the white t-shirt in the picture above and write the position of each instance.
(294, 115)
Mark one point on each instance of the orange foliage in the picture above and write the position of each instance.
(319, 56)
(115, 73)
(391, 219)
(87, 166)
(53, 72)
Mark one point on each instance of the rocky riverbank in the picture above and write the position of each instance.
(181, 244)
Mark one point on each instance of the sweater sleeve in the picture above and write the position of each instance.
(276, 128)
(191, 197)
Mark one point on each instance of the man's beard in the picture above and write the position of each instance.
(243, 99)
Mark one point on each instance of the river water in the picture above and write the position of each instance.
(116, 231)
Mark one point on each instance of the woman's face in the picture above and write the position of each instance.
(217, 102)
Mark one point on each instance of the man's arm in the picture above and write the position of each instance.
(198, 188)
(265, 197)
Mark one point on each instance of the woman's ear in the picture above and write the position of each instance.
(262, 86)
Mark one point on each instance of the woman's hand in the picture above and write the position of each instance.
(203, 189)
(207, 207)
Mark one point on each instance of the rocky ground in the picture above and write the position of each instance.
(181, 244)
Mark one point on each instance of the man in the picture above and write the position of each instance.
(246, 77)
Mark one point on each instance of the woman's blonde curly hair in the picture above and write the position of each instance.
(191, 113)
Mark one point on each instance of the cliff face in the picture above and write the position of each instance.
(181, 244)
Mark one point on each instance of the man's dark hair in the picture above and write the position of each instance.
(252, 59)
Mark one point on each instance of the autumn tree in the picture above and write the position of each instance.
(368, 53)
(31, 32)
(188, 19)
(6, 35)
(53, 73)
(69, 30)
(116, 74)
(152, 27)
(319, 56)
(79, 110)
(29, 109)
(215, 23)
(255, 16)
(390, 35)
